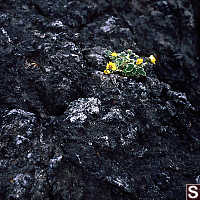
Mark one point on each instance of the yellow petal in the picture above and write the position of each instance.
(106, 72)
(114, 54)
(152, 59)
(107, 66)
(114, 67)
(139, 61)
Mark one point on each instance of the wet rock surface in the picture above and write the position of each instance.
(67, 131)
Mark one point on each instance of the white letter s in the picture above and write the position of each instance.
(194, 194)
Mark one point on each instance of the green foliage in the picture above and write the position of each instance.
(127, 63)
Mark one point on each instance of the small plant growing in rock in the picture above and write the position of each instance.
(127, 63)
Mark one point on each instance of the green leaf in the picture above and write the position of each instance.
(108, 52)
(123, 54)
(140, 71)
(134, 71)
(129, 68)
(112, 57)
(118, 62)
(129, 51)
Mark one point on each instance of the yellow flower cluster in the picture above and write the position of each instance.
(140, 60)
(130, 66)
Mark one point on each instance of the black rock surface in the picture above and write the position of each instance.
(70, 132)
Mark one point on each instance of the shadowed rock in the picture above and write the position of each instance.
(67, 130)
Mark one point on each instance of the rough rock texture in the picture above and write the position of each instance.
(67, 131)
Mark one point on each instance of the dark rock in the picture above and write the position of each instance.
(67, 130)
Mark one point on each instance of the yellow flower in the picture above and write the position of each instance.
(152, 59)
(111, 66)
(139, 61)
(114, 54)
(106, 71)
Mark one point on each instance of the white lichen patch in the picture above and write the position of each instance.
(113, 114)
(80, 109)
